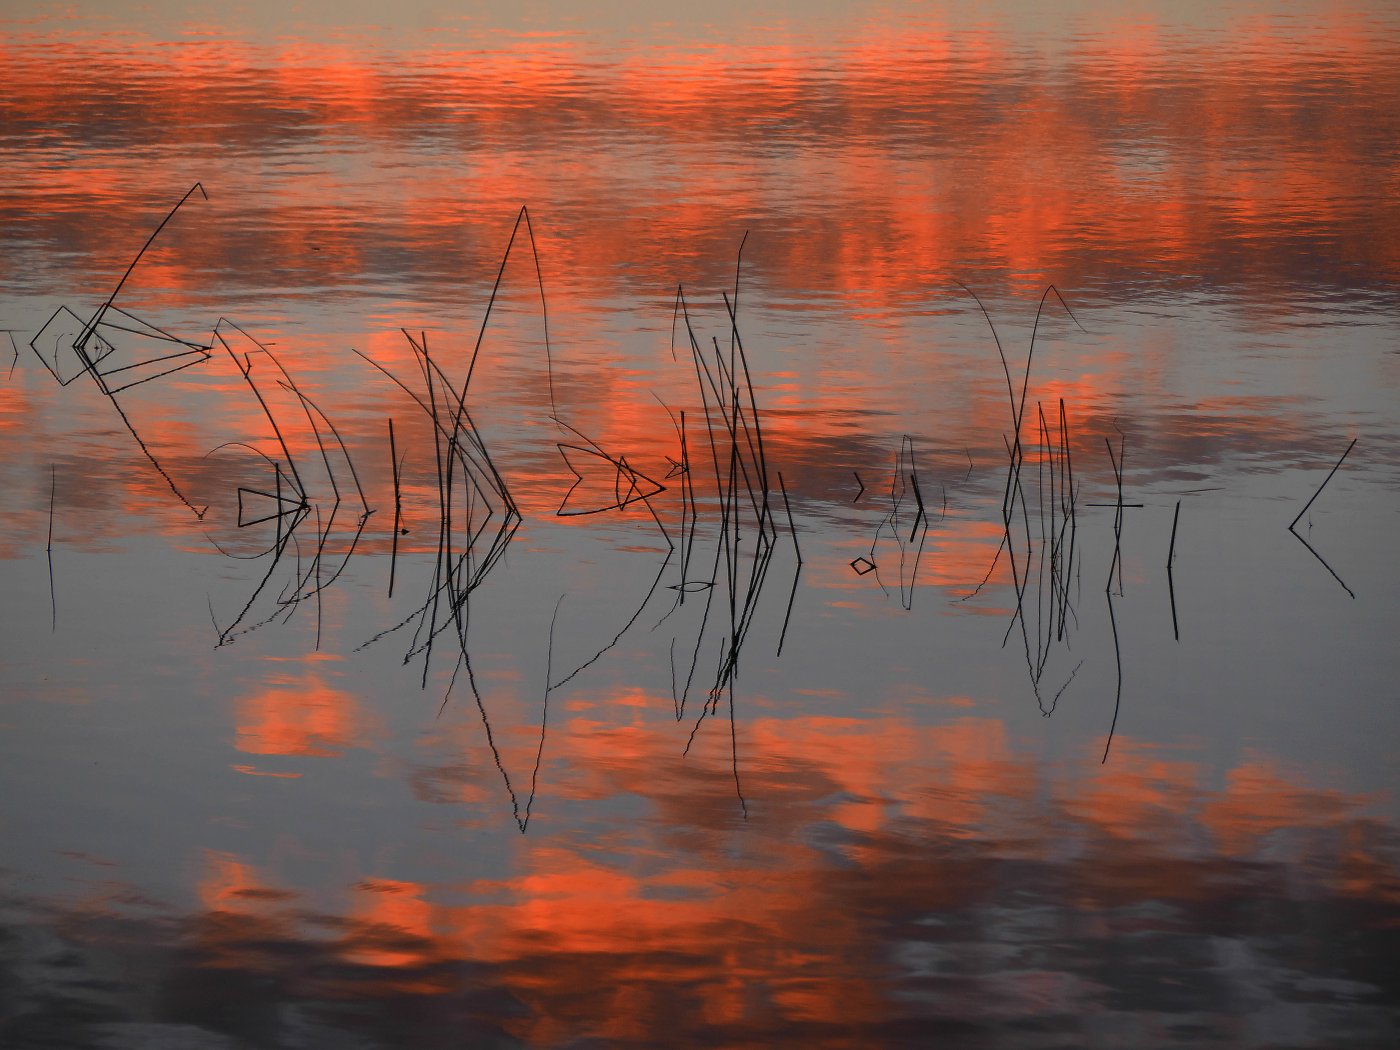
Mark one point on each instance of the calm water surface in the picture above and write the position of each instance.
(770, 678)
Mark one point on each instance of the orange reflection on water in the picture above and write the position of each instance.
(1258, 800)
(742, 943)
(937, 146)
(862, 839)
(15, 408)
(394, 924)
(241, 915)
(299, 714)
(891, 164)
(1146, 798)
(228, 884)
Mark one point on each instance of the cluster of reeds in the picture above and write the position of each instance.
(290, 500)
(746, 531)
(904, 482)
(476, 516)
(119, 350)
(730, 522)
(1039, 513)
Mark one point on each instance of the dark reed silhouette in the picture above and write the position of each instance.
(1292, 526)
